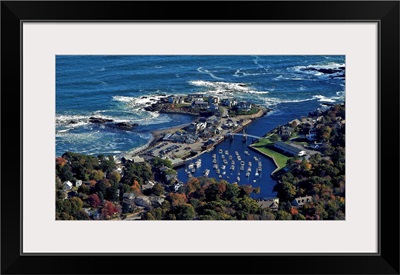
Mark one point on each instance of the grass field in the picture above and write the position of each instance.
(266, 146)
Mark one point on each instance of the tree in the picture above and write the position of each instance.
(274, 138)
(282, 215)
(184, 212)
(102, 186)
(286, 191)
(114, 176)
(108, 210)
(157, 189)
(94, 201)
(96, 175)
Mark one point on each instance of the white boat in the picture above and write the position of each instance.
(255, 158)
(238, 179)
(239, 158)
(241, 168)
(242, 163)
(246, 153)
(257, 174)
(223, 157)
(206, 172)
(225, 161)
(215, 166)
(189, 175)
(214, 161)
(223, 167)
(198, 163)
(226, 152)
(218, 171)
(250, 164)
(214, 155)
(220, 176)
(232, 167)
(223, 173)
(230, 157)
(191, 165)
(233, 162)
(249, 169)
(247, 174)
(193, 170)
(220, 151)
(236, 153)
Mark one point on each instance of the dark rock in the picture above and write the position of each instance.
(72, 122)
(99, 120)
(123, 126)
(143, 97)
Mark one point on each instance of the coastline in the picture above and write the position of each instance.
(157, 135)
(271, 157)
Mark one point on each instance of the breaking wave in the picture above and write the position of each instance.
(204, 71)
(226, 88)
(330, 70)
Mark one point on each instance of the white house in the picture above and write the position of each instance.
(213, 99)
(78, 183)
(67, 185)
(300, 201)
(244, 106)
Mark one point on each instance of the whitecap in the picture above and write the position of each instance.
(204, 71)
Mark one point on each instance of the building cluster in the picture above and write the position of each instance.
(273, 203)
(200, 102)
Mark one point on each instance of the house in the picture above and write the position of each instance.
(294, 151)
(294, 122)
(300, 201)
(78, 183)
(148, 185)
(213, 100)
(244, 106)
(201, 126)
(285, 131)
(94, 214)
(213, 107)
(156, 201)
(213, 120)
(67, 185)
(176, 99)
(200, 105)
(137, 159)
(128, 201)
(272, 204)
(143, 201)
(172, 99)
(312, 134)
(229, 102)
(196, 97)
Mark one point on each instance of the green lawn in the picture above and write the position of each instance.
(266, 146)
(180, 105)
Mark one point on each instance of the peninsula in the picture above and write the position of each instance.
(215, 119)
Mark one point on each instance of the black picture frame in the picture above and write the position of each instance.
(386, 13)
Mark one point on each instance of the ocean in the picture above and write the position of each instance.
(119, 87)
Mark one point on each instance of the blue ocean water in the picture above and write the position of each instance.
(118, 87)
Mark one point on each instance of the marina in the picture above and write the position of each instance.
(249, 170)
